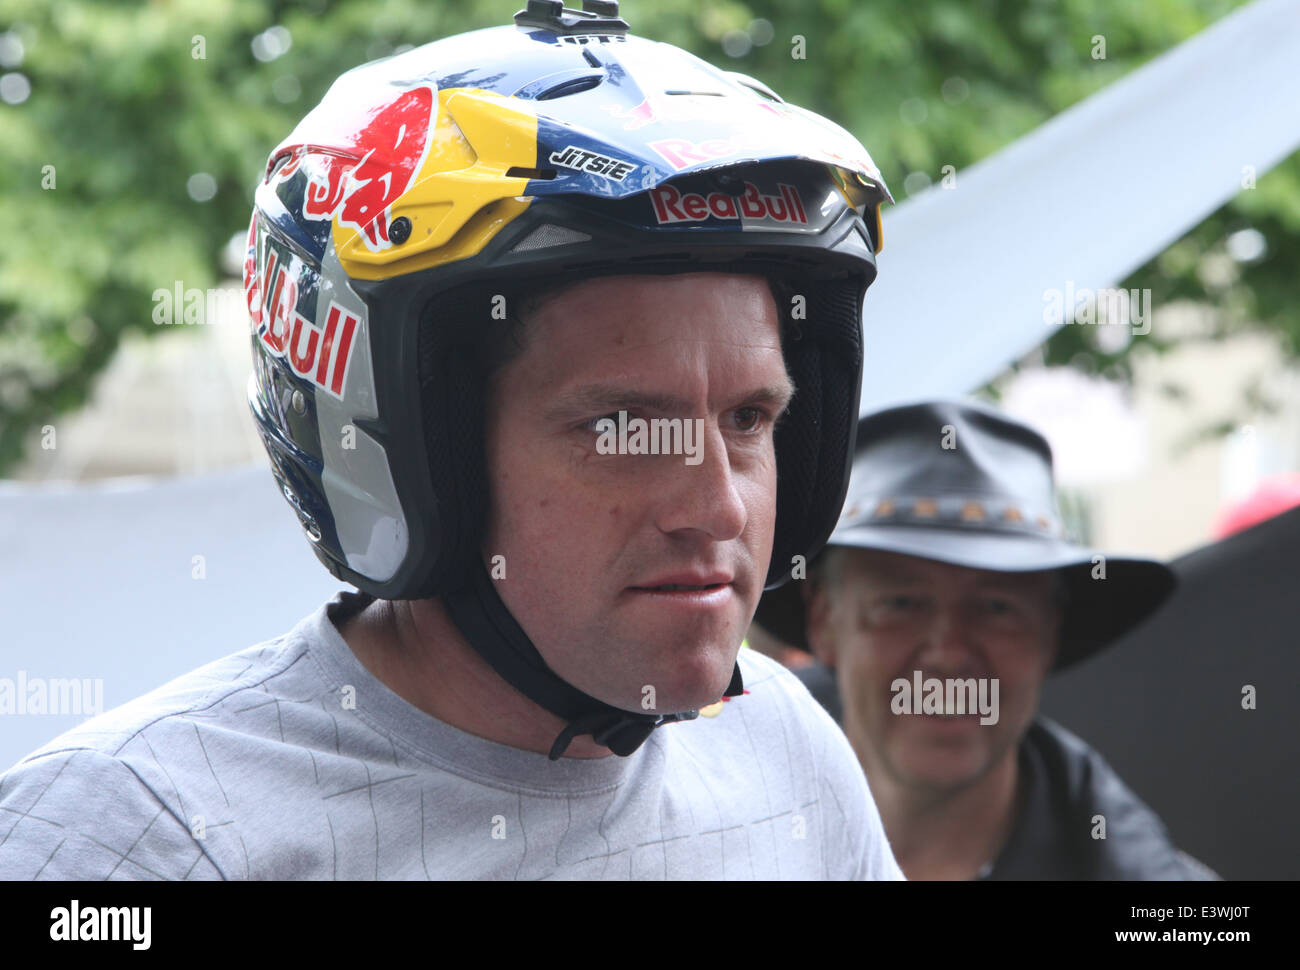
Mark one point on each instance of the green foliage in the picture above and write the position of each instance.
(125, 114)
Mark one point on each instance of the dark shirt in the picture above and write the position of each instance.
(1066, 787)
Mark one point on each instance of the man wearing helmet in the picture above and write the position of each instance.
(670, 557)
(465, 268)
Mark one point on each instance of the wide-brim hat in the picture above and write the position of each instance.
(960, 483)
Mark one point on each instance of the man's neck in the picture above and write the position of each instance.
(414, 649)
(949, 834)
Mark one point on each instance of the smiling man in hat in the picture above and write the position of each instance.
(943, 599)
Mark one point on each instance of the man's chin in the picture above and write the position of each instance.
(691, 686)
(666, 679)
(940, 768)
(939, 779)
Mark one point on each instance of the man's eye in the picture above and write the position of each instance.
(900, 603)
(595, 426)
(749, 419)
(999, 607)
(900, 608)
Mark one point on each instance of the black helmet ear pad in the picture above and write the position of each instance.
(453, 397)
(815, 438)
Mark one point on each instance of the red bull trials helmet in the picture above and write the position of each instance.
(559, 148)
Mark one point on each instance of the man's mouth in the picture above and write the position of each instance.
(679, 587)
(686, 581)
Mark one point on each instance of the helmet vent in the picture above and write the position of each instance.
(755, 85)
(572, 86)
(518, 172)
(548, 235)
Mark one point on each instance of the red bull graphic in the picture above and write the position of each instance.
(679, 107)
(289, 167)
(634, 118)
(360, 193)
(682, 153)
(252, 288)
(751, 208)
(321, 355)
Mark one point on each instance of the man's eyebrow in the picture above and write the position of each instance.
(885, 577)
(773, 394)
(589, 398)
(903, 576)
(1008, 582)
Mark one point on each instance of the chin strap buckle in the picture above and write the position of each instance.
(622, 731)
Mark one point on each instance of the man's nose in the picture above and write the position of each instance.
(704, 497)
(948, 646)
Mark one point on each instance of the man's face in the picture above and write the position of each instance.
(591, 539)
(880, 616)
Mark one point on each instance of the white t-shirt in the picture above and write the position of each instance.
(289, 760)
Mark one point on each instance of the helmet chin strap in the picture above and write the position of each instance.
(493, 632)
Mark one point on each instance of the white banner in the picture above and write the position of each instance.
(1077, 205)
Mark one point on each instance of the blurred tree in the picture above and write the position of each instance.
(132, 136)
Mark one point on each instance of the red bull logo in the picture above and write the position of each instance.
(360, 193)
(319, 354)
(752, 207)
